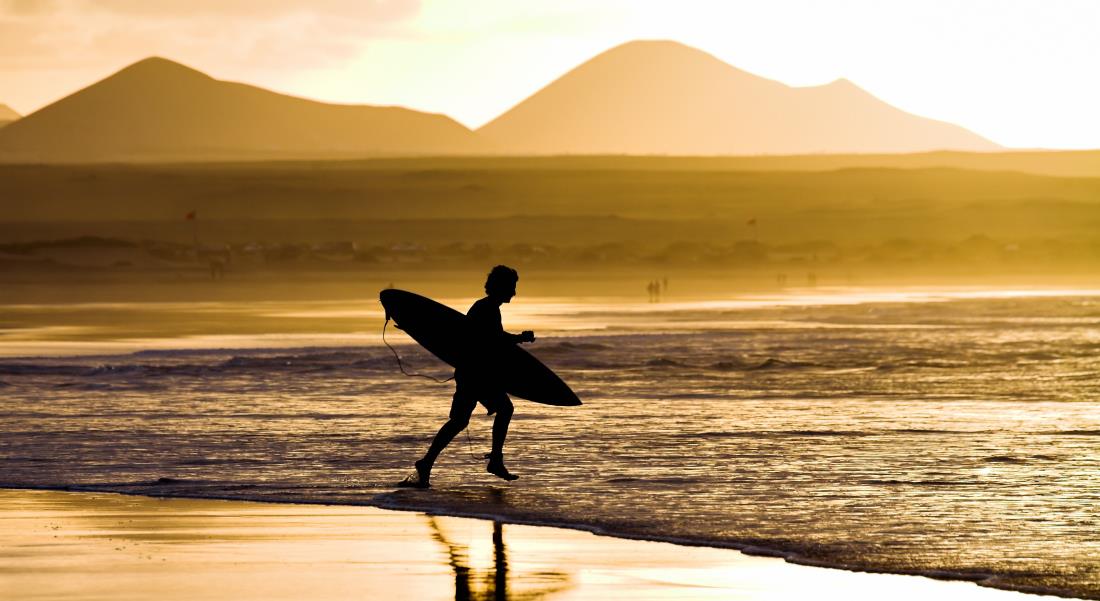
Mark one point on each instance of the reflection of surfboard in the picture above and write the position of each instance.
(446, 334)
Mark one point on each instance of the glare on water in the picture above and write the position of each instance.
(947, 432)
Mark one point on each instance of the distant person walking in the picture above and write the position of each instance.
(478, 384)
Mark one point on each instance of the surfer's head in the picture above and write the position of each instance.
(501, 283)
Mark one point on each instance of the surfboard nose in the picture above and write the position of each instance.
(390, 299)
(385, 297)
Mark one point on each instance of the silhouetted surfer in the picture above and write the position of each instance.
(475, 384)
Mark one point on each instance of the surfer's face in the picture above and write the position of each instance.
(504, 292)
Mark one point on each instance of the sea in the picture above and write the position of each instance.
(953, 433)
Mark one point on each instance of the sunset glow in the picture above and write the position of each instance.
(570, 299)
(1019, 73)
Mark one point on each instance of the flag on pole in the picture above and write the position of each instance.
(191, 216)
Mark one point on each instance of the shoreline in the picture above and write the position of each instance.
(73, 329)
(985, 583)
(904, 439)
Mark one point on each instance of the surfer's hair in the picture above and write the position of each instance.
(501, 276)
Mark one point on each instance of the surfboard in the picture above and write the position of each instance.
(447, 334)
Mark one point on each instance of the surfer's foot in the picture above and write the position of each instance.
(496, 468)
(421, 478)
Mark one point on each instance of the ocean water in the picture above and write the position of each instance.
(951, 434)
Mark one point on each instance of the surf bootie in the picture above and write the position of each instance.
(496, 468)
(419, 478)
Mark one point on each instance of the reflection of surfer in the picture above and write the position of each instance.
(475, 383)
(494, 585)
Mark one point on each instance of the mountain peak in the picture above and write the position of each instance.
(664, 51)
(160, 69)
(841, 87)
(634, 45)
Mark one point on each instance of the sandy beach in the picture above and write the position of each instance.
(85, 546)
(946, 434)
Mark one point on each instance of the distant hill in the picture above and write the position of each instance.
(665, 98)
(7, 115)
(1058, 163)
(158, 110)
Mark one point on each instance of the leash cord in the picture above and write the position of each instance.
(401, 365)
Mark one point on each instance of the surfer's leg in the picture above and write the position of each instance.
(461, 409)
(443, 438)
(424, 465)
(504, 411)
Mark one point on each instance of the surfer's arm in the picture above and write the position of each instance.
(486, 320)
(525, 336)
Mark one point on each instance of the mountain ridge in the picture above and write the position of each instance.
(665, 98)
(651, 97)
(158, 109)
(7, 115)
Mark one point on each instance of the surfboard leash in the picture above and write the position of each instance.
(401, 365)
(469, 442)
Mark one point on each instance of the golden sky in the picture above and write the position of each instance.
(1021, 73)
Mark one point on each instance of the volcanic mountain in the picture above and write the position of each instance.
(660, 97)
(7, 115)
(157, 109)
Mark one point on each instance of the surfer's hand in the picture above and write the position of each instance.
(527, 336)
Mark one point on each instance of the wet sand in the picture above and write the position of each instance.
(88, 546)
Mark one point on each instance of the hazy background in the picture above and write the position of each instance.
(1017, 72)
(751, 146)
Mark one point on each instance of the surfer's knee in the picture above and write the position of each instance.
(461, 409)
(505, 408)
(459, 423)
